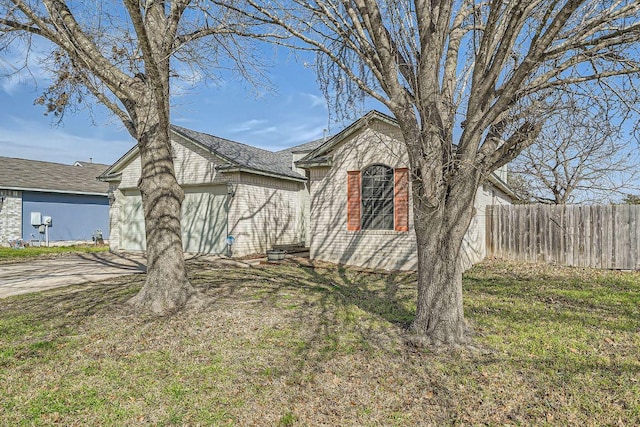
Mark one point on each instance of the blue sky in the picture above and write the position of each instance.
(292, 112)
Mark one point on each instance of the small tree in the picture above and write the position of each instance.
(631, 199)
(469, 83)
(579, 157)
(123, 54)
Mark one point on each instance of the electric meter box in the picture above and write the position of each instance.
(36, 218)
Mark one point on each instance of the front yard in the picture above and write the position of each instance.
(13, 255)
(292, 345)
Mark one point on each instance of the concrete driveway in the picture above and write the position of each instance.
(73, 269)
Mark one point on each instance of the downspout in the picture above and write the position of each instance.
(231, 192)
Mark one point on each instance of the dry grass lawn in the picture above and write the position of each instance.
(291, 345)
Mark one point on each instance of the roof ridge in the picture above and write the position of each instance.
(52, 163)
(224, 139)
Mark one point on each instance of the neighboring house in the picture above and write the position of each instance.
(361, 205)
(70, 194)
(231, 189)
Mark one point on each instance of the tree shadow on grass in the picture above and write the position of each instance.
(73, 301)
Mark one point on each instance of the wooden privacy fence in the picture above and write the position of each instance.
(606, 236)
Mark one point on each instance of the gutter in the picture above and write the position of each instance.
(110, 178)
(234, 168)
(503, 186)
(312, 163)
(46, 190)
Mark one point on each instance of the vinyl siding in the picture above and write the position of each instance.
(131, 221)
(193, 165)
(114, 216)
(265, 212)
(385, 249)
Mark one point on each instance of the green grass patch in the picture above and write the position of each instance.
(11, 254)
(294, 346)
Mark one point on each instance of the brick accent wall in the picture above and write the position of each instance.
(10, 216)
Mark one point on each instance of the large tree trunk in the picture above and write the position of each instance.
(167, 288)
(440, 232)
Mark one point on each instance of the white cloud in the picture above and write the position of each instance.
(315, 100)
(266, 130)
(31, 140)
(246, 126)
(304, 133)
(183, 120)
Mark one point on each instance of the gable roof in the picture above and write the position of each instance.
(240, 155)
(319, 156)
(304, 148)
(236, 155)
(35, 175)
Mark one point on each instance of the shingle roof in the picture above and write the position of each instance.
(242, 155)
(55, 177)
(306, 147)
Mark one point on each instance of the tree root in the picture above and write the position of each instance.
(168, 303)
(430, 343)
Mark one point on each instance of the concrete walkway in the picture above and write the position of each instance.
(73, 269)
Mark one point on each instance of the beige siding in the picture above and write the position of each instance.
(304, 214)
(132, 232)
(131, 174)
(114, 217)
(264, 212)
(330, 240)
(474, 248)
(502, 173)
(193, 165)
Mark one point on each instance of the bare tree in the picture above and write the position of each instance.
(123, 54)
(579, 157)
(469, 84)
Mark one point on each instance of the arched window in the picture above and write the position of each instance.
(377, 198)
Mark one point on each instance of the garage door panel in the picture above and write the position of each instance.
(132, 234)
(204, 220)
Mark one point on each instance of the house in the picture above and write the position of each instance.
(232, 190)
(70, 194)
(295, 196)
(360, 198)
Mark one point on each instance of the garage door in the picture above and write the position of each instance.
(132, 237)
(204, 220)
